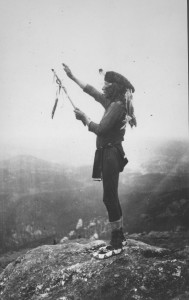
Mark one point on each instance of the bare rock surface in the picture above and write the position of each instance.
(68, 271)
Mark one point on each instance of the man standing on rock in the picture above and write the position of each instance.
(109, 156)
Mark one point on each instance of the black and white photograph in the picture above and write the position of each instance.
(94, 150)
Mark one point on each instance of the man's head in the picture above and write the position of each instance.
(107, 88)
(113, 80)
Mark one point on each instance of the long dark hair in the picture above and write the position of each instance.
(130, 108)
(120, 93)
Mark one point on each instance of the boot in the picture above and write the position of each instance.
(114, 248)
(122, 237)
(116, 239)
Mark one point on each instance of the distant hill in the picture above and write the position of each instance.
(156, 197)
(28, 175)
(39, 199)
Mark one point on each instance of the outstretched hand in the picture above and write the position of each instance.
(68, 71)
(80, 115)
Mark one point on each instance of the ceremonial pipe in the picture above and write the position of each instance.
(58, 81)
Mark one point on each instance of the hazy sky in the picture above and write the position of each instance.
(145, 40)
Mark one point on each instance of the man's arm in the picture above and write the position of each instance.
(90, 90)
(115, 112)
(71, 76)
(99, 97)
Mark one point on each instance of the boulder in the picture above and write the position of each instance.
(68, 271)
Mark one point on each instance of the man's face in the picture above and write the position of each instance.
(106, 88)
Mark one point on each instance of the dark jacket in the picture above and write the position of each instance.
(111, 127)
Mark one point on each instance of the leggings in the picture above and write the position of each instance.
(110, 178)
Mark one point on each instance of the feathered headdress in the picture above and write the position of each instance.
(127, 89)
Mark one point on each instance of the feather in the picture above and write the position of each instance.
(54, 107)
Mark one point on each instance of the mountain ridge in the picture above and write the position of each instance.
(30, 185)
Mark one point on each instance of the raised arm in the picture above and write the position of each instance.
(90, 90)
(71, 76)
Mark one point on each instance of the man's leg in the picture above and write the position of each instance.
(110, 177)
(110, 174)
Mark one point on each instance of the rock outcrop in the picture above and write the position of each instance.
(68, 271)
